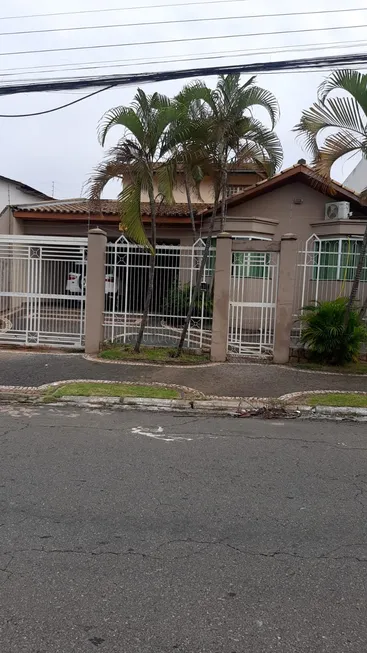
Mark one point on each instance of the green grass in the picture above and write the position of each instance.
(351, 368)
(336, 399)
(113, 390)
(153, 355)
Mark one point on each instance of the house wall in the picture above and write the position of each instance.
(279, 205)
(206, 187)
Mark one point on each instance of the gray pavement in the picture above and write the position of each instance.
(144, 533)
(246, 380)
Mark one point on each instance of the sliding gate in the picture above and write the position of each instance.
(42, 291)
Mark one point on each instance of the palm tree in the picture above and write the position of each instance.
(222, 130)
(139, 154)
(347, 117)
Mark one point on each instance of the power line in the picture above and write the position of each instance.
(100, 11)
(144, 78)
(63, 106)
(107, 63)
(183, 20)
(194, 57)
(199, 38)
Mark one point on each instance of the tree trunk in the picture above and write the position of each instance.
(357, 278)
(363, 310)
(223, 212)
(191, 210)
(197, 286)
(149, 294)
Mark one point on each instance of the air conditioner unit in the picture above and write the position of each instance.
(337, 211)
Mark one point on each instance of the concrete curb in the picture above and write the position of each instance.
(283, 407)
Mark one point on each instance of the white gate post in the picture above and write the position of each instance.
(95, 296)
(222, 285)
(284, 306)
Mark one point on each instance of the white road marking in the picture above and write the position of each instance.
(157, 433)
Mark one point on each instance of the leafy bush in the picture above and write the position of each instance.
(327, 337)
(177, 302)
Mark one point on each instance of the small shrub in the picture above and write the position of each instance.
(177, 301)
(326, 336)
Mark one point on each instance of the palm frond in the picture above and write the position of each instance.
(123, 116)
(130, 215)
(351, 81)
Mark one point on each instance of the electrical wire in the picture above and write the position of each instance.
(160, 76)
(85, 97)
(144, 61)
(182, 20)
(100, 11)
(63, 106)
(198, 38)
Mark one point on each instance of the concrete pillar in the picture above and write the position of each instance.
(222, 286)
(286, 290)
(95, 296)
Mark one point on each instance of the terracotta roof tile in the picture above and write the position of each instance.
(107, 207)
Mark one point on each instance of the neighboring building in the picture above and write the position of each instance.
(15, 192)
(357, 180)
(238, 180)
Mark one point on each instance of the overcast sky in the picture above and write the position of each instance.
(60, 149)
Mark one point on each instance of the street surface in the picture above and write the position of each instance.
(128, 532)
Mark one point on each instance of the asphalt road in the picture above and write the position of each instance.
(228, 380)
(130, 532)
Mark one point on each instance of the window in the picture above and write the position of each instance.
(337, 259)
(251, 265)
(234, 190)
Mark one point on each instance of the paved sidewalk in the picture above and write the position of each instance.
(227, 380)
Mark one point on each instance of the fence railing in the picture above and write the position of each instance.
(42, 291)
(325, 271)
(176, 269)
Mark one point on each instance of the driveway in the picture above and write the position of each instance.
(143, 533)
(227, 380)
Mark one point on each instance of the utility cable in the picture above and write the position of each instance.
(160, 76)
(182, 20)
(125, 63)
(63, 106)
(100, 11)
(199, 38)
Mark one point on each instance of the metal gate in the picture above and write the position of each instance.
(176, 269)
(253, 296)
(42, 290)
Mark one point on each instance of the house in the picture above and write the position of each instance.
(14, 192)
(294, 200)
(328, 220)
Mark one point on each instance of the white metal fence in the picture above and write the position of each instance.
(325, 271)
(42, 290)
(176, 270)
(253, 296)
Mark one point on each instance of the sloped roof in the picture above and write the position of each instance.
(104, 207)
(299, 172)
(25, 188)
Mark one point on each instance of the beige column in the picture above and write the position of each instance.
(95, 296)
(286, 289)
(222, 285)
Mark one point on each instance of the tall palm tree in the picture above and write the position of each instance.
(139, 154)
(222, 130)
(346, 116)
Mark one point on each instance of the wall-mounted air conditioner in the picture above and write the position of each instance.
(337, 211)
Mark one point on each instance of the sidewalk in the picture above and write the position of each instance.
(225, 380)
